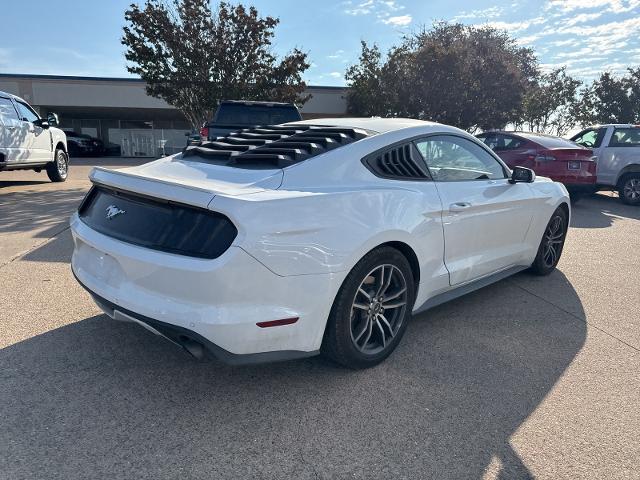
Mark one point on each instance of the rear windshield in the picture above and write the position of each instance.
(256, 115)
(550, 142)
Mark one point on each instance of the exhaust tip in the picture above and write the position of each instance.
(195, 349)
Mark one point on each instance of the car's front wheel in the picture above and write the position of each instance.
(370, 312)
(58, 170)
(552, 243)
(629, 189)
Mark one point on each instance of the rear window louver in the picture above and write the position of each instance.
(399, 163)
(273, 146)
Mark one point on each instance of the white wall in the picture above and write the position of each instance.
(80, 92)
(94, 94)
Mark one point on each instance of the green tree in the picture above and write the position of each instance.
(611, 99)
(468, 76)
(364, 78)
(192, 57)
(550, 104)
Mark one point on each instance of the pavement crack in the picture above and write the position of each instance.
(577, 317)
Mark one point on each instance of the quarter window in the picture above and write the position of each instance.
(26, 113)
(6, 109)
(453, 159)
(625, 137)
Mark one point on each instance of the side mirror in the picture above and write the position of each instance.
(42, 123)
(53, 119)
(522, 175)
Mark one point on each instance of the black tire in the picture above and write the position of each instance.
(58, 170)
(629, 189)
(552, 243)
(357, 309)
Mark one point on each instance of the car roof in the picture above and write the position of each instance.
(618, 125)
(372, 124)
(543, 139)
(256, 102)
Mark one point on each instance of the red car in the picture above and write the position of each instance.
(554, 157)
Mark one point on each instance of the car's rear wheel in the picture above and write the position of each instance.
(370, 312)
(552, 243)
(629, 189)
(58, 170)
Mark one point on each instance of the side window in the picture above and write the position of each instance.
(590, 138)
(453, 159)
(6, 109)
(625, 137)
(26, 113)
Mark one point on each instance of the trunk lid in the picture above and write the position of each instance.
(567, 154)
(189, 181)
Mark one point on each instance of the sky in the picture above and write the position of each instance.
(83, 37)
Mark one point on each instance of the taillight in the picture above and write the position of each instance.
(204, 132)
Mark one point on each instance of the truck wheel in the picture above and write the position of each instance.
(629, 189)
(58, 170)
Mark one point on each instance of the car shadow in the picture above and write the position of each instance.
(22, 183)
(601, 210)
(46, 212)
(104, 399)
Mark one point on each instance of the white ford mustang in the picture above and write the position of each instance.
(284, 241)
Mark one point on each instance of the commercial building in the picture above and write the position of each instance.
(119, 112)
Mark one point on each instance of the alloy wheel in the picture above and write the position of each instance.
(378, 309)
(632, 189)
(553, 240)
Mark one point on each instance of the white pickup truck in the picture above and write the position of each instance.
(28, 142)
(617, 148)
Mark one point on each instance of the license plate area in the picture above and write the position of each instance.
(574, 165)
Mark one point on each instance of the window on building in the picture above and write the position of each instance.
(135, 125)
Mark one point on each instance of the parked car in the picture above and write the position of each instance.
(112, 150)
(83, 145)
(28, 142)
(617, 147)
(234, 115)
(285, 241)
(554, 157)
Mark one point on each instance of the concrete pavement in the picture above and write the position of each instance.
(528, 378)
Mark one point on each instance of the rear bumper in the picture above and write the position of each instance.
(579, 179)
(216, 302)
(185, 338)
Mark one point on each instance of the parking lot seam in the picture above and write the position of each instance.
(575, 316)
(34, 247)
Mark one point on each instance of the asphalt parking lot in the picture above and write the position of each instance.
(528, 378)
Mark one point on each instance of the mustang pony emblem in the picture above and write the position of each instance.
(113, 211)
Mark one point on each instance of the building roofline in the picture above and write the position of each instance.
(120, 79)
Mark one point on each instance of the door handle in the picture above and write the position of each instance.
(459, 206)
